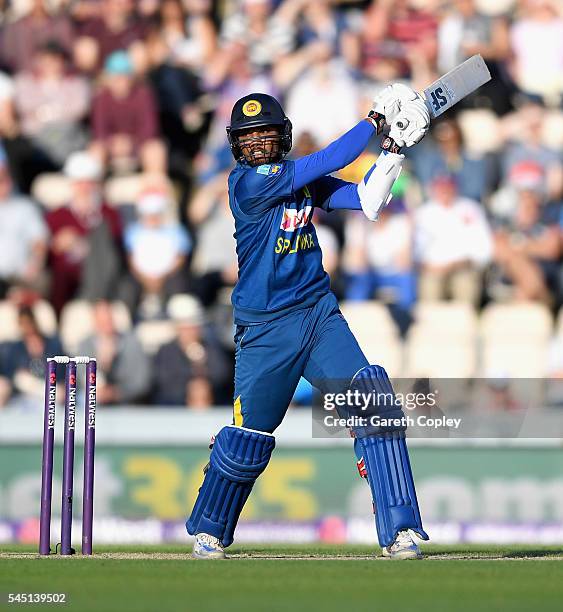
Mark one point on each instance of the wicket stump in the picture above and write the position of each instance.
(68, 454)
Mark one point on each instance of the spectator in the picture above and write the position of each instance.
(328, 79)
(527, 248)
(22, 159)
(85, 249)
(537, 44)
(51, 104)
(23, 240)
(452, 244)
(397, 40)
(7, 117)
(124, 375)
(188, 32)
(321, 22)
(21, 38)
(157, 250)
(167, 74)
(115, 27)
(269, 33)
(25, 360)
(445, 154)
(124, 120)
(230, 76)
(466, 31)
(524, 175)
(181, 105)
(209, 212)
(525, 144)
(378, 258)
(191, 370)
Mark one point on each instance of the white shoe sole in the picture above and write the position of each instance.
(211, 556)
(402, 555)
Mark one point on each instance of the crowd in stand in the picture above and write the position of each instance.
(99, 95)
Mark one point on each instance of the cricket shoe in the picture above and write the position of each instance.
(207, 547)
(403, 547)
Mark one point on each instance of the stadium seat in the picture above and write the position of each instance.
(44, 314)
(445, 318)
(51, 190)
(515, 339)
(153, 334)
(442, 341)
(369, 317)
(125, 190)
(516, 321)
(440, 359)
(76, 322)
(376, 333)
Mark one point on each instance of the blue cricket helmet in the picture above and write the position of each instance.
(258, 110)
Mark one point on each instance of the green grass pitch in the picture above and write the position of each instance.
(280, 578)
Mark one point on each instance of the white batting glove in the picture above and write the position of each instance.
(411, 124)
(386, 103)
(390, 100)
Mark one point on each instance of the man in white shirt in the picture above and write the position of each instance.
(452, 244)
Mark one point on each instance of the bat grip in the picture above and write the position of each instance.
(388, 144)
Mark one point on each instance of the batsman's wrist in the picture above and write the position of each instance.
(388, 144)
(377, 120)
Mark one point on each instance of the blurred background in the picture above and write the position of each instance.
(116, 241)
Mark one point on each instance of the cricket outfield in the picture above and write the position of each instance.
(289, 577)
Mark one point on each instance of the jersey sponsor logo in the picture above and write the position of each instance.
(251, 108)
(267, 169)
(301, 242)
(294, 219)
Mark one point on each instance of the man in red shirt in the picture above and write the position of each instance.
(112, 25)
(124, 119)
(77, 228)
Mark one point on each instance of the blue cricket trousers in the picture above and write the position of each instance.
(271, 357)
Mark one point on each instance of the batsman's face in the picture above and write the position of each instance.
(260, 145)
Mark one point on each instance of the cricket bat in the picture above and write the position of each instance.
(453, 86)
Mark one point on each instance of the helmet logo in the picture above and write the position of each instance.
(251, 108)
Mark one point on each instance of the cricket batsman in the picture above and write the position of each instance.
(288, 323)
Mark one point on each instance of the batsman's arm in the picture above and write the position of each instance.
(388, 106)
(335, 156)
(371, 195)
(332, 193)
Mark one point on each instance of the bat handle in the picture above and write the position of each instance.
(388, 144)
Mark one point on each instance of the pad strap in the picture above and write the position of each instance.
(238, 457)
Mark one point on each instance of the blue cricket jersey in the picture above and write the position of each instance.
(280, 262)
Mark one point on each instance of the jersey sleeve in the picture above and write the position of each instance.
(264, 187)
(335, 156)
(332, 193)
